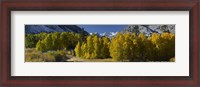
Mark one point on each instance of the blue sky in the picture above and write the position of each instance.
(102, 28)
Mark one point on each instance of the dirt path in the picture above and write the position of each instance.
(76, 59)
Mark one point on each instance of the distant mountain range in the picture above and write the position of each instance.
(34, 29)
(146, 29)
(108, 34)
(149, 29)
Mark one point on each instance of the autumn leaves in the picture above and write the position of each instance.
(129, 47)
(124, 47)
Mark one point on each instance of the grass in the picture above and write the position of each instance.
(172, 59)
(76, 59)
(52, 56)
(31, 55)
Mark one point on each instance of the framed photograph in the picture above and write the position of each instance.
(140, 43)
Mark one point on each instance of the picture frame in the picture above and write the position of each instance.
(193, 80)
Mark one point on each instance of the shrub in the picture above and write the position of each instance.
(33, 57)
(59, 56)
(172, 60)
(48, 57)
(52, 56)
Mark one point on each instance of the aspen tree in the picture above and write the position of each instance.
(105, 49)
(78, 50)
(97, 48)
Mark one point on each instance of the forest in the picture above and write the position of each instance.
(75, 47)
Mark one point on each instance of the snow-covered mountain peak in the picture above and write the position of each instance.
(149, 29)
(109, 34)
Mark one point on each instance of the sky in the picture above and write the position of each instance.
(102, 28)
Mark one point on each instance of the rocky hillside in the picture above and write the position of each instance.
(34, 29)
(149, 29)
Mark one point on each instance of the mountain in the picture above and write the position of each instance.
(109, 34)
(149, 29)
(34, 29)
(95, 33)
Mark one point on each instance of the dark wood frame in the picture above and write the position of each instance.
(104, 5)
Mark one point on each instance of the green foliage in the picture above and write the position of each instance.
(32, 39)
(55, 41)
